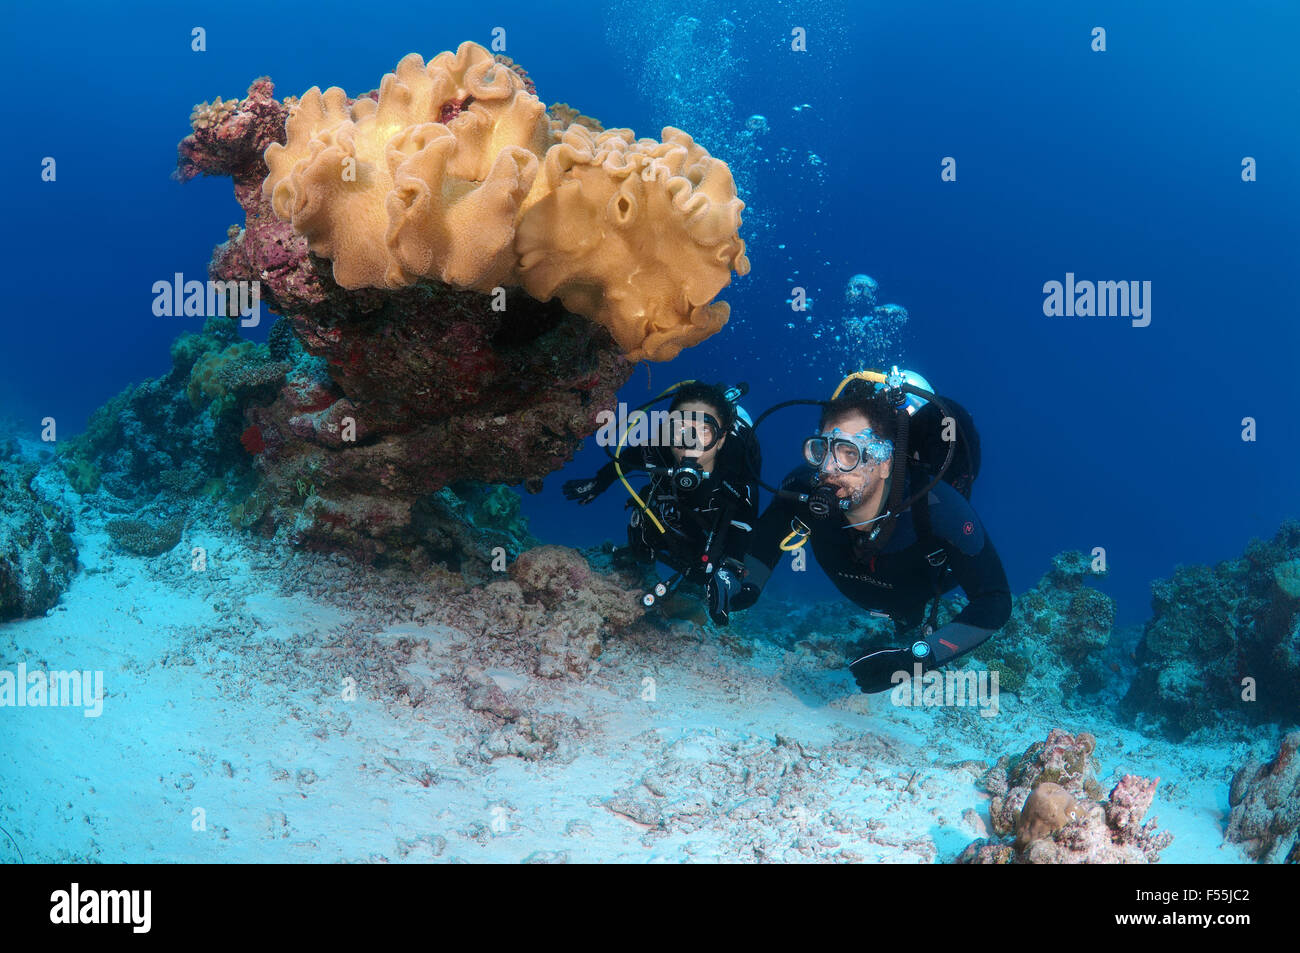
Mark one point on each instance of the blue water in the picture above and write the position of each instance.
(1122, 165)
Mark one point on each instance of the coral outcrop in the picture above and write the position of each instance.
(389, 395)
(1265, 806)
(145, 537)
(550, 613)
(1057, 634)
(175, 432)
(205, 431)
(453, 173)
(1223, 644)
(37, 556)
(1047, 808)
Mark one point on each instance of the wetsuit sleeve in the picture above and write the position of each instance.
(977, 568)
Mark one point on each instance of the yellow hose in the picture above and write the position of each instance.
(876, 377)
(618, 468)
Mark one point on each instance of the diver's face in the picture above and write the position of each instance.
(698, 433)
(866, 478)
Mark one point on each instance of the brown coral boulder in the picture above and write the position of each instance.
(1049, 808)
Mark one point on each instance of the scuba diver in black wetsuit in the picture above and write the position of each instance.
(890, 532)
(698, 511)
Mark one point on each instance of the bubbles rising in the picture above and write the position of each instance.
(861, 290)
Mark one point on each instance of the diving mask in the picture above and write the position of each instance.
(692, 430)
(846, 451)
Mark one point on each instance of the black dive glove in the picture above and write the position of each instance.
(584, 491)
(728, 594)
(874, 672)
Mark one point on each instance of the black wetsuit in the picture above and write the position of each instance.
(714, 520)
(936, 545)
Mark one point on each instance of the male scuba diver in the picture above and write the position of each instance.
(891, 526)
(698, 511)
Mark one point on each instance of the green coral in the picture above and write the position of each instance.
(188, 348)
(82, 473)
(1012, 668)
(212, 377)
(247, 513)
(104, 429)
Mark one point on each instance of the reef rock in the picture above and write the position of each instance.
(175, 433)
(1050, 800)
(206, 429)
(581, 604)
(1223, 643)
(1048, 808)
(1265, 806)
(1057, 633)
(37, 556)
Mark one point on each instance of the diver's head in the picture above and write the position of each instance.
(853, 450)
(699, 419)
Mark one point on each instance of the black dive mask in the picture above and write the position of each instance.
(692, 430)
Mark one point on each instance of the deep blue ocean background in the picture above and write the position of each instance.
(1122, 165)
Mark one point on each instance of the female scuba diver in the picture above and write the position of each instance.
(698, 510)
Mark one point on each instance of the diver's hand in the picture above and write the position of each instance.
(876, 671)
(582, 491)
(724, 586)
(747, 596)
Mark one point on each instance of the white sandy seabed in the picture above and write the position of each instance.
(225, 736)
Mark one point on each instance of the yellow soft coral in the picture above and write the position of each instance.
(638, 234)
(456, 174)
(390, 194)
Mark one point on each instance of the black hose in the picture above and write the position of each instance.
(897, 471)
(952, 445)
(758, 478)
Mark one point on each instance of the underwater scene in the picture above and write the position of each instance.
(650, 432)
